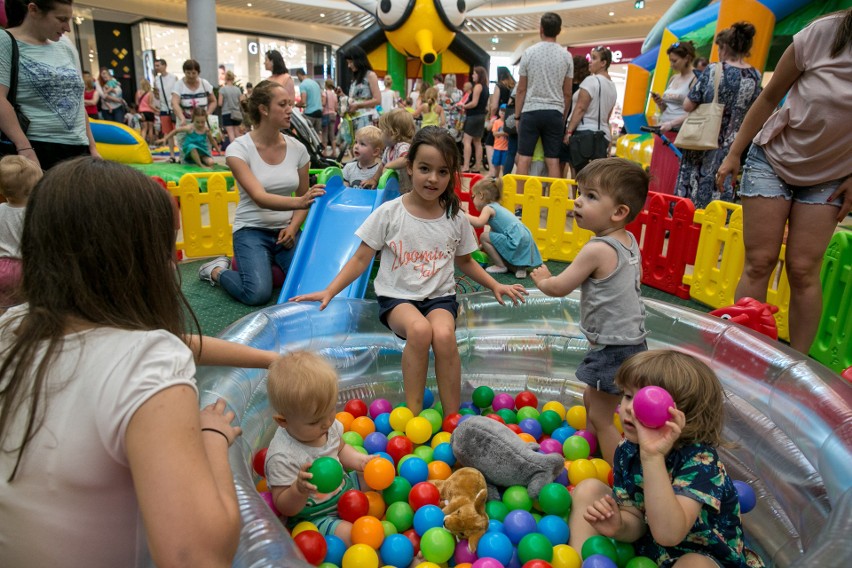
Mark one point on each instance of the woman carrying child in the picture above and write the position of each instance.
(197, 140)
(671, 496)
(422, 237)
(397, 128)
(509, 242)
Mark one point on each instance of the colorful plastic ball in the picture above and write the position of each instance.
(580, 470)
(379, 406)
(531, 427)
(261, 486)
(562, 478)
(487, 563)
(496, 510)
(528, 412)
(437, 545)
(352, 505)
(363, 425)
(602, 468)
(379, 474)
(623, 553)
(399, 447)
(401, 515)
(517, 498)
(345, 418)
(444, 452)
(463, 554)
(535, 546)
(424, 453)
(517, 524)
(382, 422)
(502, 400)
(494, 545)
(398, 491)
(576, 448)
(375, 442)
(554, 499)
(747, 497)
(361, 450)
(353, 438)
(312, 545)
(535, 563)
(528, 438)
(440, 438)
(428, 398)
(335, 549)
(467, 412)
(427, 517)
(302, 527)
(267, 497)
(483, 396)
(360, 556)
(439, 471)
(555, 529)
(418, 430)
(562, 433)
(399, 417)
(556, 407)
(495, 525)
(651, 406)
(258, 463)
(368, 530)
(450, 422)
(496, 417)
(414, 470)
(549, 421)
(515, 428)
(377, 504)
(329, 565)
(508, 415)
(356, 408)
(590, 438)
(576, 417)
(397, 550)
(422, 494)
(434, 417)
(526, 398)
(599, 545)
(640, 562)
(389, 528)
(414, 538)
(395, 433)
(550, 446)
(565, 557)
(326, 473)
(598, 561)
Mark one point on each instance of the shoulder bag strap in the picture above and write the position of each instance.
(718, 75)
(166, 95)
(600, 100)
(13, 71)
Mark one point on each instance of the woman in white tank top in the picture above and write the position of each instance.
(681, 55)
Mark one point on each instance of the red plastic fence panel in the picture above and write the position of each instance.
(466, 196)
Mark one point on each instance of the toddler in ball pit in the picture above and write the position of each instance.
(302, 390)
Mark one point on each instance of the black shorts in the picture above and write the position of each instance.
(149, 116)
(548, 125)
(474, 125)
(228, 121)
(600, 365)
(386, 304)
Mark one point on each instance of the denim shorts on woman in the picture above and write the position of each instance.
(760, 180)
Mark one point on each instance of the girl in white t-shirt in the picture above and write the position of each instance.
(421, 237)
(18, 176)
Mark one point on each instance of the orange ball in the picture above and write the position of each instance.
(363, 426)
(527, 437)
(377, 504)
(346, 419)
(439, 470)
(379, 473)
(262, 486)
(368, 530)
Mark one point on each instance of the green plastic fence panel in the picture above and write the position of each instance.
(386, 175)
(833, 344)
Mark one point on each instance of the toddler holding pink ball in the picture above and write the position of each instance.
(671, 497)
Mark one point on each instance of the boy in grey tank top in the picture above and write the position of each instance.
(607, 270)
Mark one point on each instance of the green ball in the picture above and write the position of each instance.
(516, 497)
(398, 491)
(437, 545)
(599, 545)
(483, 396)
(537, 517)
(554, 499)
(434, 418)
(424, 453)
(496, 510)
(549, 421)
(389, 527)
(327, 474)
(640, 562)
(470, 411)
(400, 515)
(535, 546)
(527, 412)
(327, 565)
(440, 408)
(508, 415)
(395, 433)
(576, 448)
(624, 552)
(400, 405)
(361, 450)
(353, 438)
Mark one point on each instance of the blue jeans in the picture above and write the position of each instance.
(255, 251)
(509, 163)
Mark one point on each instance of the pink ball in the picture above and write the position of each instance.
(651, 406)
(463, 553)
(380, 406)
(488, 563)
(551, 446)
(502, 401)
(267, 496)
(590, 438)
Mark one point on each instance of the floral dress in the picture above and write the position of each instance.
(738, 89)
(453, 112)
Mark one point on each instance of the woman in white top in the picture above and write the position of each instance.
(595, 101)
(268, 167)
(681, 55)
(190, 92)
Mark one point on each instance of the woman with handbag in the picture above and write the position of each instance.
(588, 134)
(32, 125)
(738, 87)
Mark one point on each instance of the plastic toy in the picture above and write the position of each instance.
(326, 474)
(397, 550)
(554, 499)
(747, 497)
(353, 504)
(752, 314)
(437, 545)
(651, 406)
(422, 494)
(368, 530)
(535, 546)
(379, 474)
(313, 546)
(360, 556)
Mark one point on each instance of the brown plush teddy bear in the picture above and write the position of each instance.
(463, 497)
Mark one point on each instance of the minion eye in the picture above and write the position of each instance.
(451, 12)
(393, 13)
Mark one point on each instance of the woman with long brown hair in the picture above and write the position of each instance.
(474, 123)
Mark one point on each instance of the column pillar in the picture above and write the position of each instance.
(201, 21)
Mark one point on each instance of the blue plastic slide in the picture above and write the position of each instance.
(328, 239)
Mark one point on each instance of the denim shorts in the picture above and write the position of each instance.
(600, 365)
(760, 180)
(386, 304)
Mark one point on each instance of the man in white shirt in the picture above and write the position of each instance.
(164, 84)
(543, 97)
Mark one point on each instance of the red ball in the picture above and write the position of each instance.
(313, 546)
(423, 493)
(399, 447)
(259, 461)
(514, 428)
(535, 563)
(525, 398)
(496, 417)
(353, 505)
(356, 408)
(611, 478)
(415, 540)
(450, 422)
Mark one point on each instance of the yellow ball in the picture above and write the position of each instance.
(580, 470)
(418, 429)
(360, 556)
(556, 407)
(302, 527)
(399, 418)
(429, 565)
(440, 438)
(616, 420)
(565, 557)
(602, 468)
(576, 417)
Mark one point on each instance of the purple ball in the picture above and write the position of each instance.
(532, 427)
(501, 401)
(375, 442)
(562, 478)
(487, 563)
(590, 438)
(598, 561)
(463, 553)
(651, 406)
(551, 446)
(517, 524)
(746, 495)
(379, 406)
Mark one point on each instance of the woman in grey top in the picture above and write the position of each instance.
(230, 97)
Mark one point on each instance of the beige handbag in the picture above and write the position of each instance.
(700, 130)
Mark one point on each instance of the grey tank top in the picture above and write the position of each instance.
(611, 308)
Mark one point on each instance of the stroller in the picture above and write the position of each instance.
(302, 131)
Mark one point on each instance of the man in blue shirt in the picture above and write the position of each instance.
(311, 102)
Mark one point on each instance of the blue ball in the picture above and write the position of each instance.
(470, 405)
(396, 550)
(532, 427)
(747, 497)
(495, 545)
(336, 550)
(598, 561)
(555, 529)
(560, 434)
(376, 442)
(428, 517)
(444, 452)
(562, 477)
(382, 423)
(414, 470)
(495, 526)
(384, 455)
(515, 562)
(517, 524)
(428, 399)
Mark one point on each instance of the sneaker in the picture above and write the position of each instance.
(520, 274)
(205, 273)
(494, 269)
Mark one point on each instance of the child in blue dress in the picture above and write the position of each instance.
(509, 242)
(197, 140)
(671, 496)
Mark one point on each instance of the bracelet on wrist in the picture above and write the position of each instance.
(19, 150)
(227, 439)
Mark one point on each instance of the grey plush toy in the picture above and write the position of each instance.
(502, 457)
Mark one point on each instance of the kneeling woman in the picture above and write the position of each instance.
(268, 167)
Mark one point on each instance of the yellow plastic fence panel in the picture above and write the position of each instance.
(214, 237)
(546, 214)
